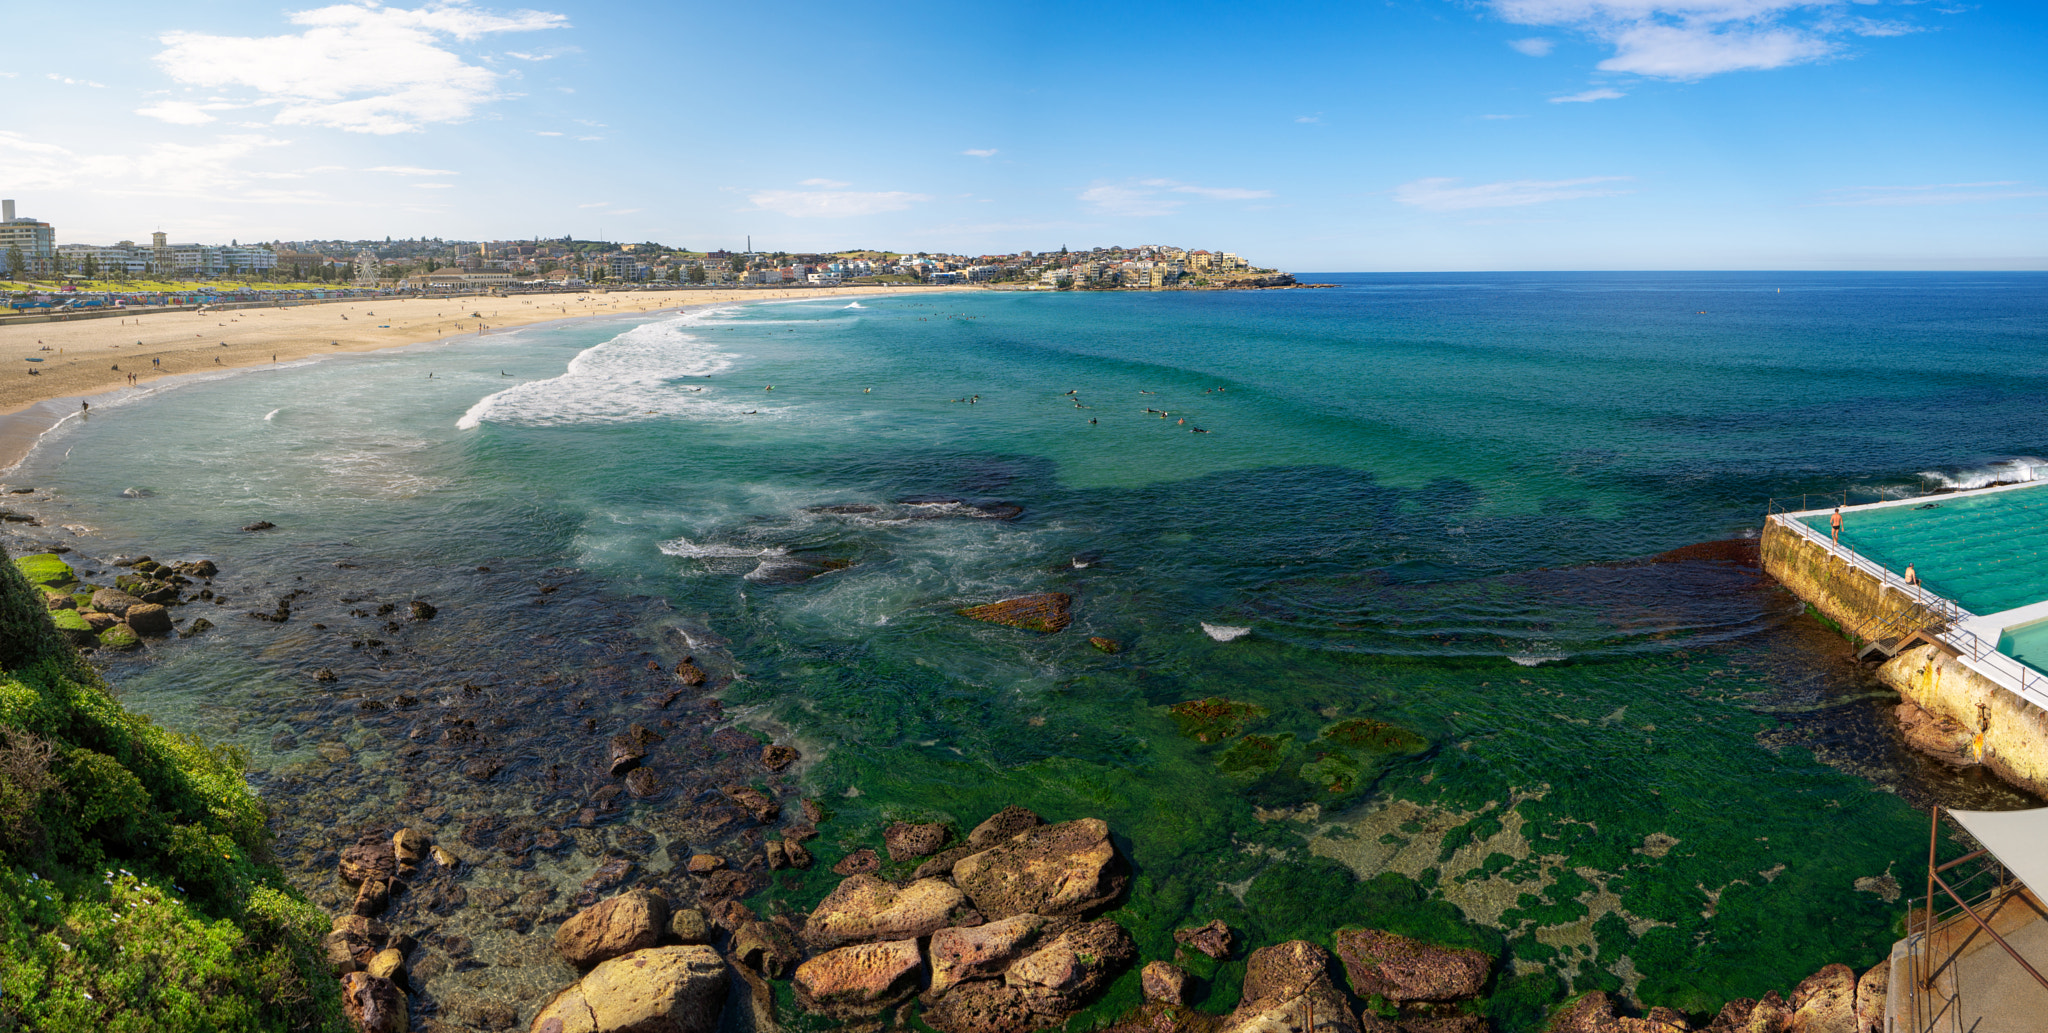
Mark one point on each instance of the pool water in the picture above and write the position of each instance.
(1988, 552)
(2027, 643)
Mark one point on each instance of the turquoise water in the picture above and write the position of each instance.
(2027, 643)
(1446, 504)
(1988, 552)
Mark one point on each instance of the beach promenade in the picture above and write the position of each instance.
(92, 357)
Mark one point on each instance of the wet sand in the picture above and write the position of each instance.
(93, 357)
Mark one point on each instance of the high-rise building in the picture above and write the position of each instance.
(37, 241)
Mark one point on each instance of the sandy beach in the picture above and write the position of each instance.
(91, 357)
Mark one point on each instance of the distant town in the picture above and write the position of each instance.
(34, 260)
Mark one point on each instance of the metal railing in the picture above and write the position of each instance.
(1976, 888)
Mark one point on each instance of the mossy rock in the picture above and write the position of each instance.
(84, 599)
(1045, 612)
(73, 626)
(1361, 733)
(1333, 772)
(1214, 719)
(46, 568)
(1253, 755)
(120, 637)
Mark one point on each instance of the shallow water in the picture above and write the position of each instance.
(1433, 501)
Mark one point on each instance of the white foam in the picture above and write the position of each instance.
(856, 305)
(626, 378)
(268, 415)
(2021, 468)
(1224, 632)
(691, 550)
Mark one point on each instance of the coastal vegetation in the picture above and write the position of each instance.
(137, 890)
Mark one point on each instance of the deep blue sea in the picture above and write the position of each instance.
(1422, 527)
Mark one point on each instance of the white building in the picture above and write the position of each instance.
(37, 241)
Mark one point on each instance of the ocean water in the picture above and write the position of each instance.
(1495, 689)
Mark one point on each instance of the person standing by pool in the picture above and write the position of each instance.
(1835, 525)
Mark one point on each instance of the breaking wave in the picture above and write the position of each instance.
(630, 377)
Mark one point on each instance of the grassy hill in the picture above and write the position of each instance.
(136, 891)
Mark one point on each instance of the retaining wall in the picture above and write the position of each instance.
(1966, 704)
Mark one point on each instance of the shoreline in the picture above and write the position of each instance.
(243, 340)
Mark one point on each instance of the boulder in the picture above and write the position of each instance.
(354, 942)
(1214, 939)
(794, 853)
(766, 948)
(906, 840)
(1287, 989)
(197, 626)
(120, 637)
(866, 908)
(421, 610)
(860, 981)
(658, 990)
(1870, 997)
(368, 861)
(626, 923)
(703, 864)
(1825, 1002)
(149, 619)
(755, 801)
(96, 620)
(373, 1005)
(688, 925)
(55, 600)
(980, 952)
(1059, 871)
(372, 897)
(1403, 969)
(1594, 1013)
(1770, 1015)
(1165, 981)
(410, 846)
(389, 963)
(1042, 989)
(1107, 645)
(1002, 826)
(862, 860)
(626, 754)
(777, 756)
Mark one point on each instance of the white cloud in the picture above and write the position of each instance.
(68, 81)
(1309, 119)
(1589, 96)
(433, 186)
(529, 57)
(833, 204)
(408, 170)
(357, 66)
(181, 112)
(1931, 194)
(980, 152)
(587, 139)
(1500, 118)
(829, 184)
(1444, 195)
(208, 170)
(1688, 40)
(594, 204)
(544, 132)
(1534, 46)
(1153, 196)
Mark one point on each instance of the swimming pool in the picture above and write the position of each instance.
(1988, 552)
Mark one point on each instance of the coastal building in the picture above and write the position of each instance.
(35, 241)
(458, 279)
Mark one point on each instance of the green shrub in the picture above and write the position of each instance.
(136, 888)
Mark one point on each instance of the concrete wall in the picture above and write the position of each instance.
(2015, 732)
(1850, 597)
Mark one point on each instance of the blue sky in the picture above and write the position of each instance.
(1404, 135)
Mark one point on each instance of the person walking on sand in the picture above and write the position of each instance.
(1835, 525)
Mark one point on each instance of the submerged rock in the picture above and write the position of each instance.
(1043, 988)
(373, 1005)
(907, 840)
(1403, 969)
(1044, 612)
(1064, 870)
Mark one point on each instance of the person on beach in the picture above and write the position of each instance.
(1912, 576)
(1835, 525)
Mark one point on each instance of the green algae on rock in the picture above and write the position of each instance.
(45, 569)
(1045, 612)
(121, 637)
(1254, 754)
(1214, 719)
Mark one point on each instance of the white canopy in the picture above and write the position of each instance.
(2019, 839)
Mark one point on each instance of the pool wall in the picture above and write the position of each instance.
(1962, 703)
(1947, 704)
